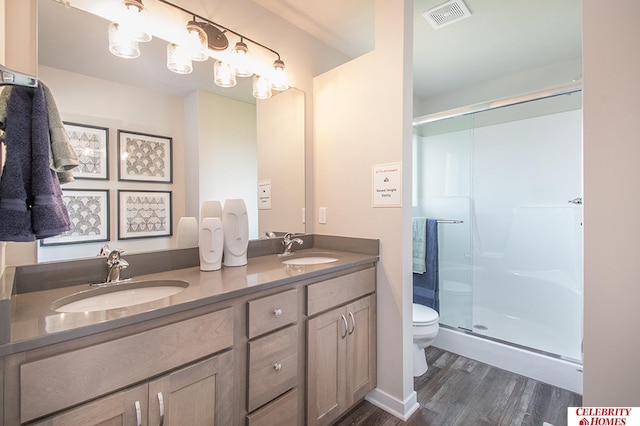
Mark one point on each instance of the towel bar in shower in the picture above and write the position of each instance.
(449, 221)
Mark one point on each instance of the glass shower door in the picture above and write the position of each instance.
(442, 155)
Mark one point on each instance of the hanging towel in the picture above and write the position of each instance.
(31, 204)
(62, 156)
(425, 286)
(419, 245)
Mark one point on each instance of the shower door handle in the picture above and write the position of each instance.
(577, 200)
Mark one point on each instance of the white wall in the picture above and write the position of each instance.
(362, 113)
(224, 141)
(611, 202)
(92, 101)
(281, 160)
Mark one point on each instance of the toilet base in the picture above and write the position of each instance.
(419, 361)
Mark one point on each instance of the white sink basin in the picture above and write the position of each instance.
(119, 296)
(310, 260)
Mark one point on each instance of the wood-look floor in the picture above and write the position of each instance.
(458, 391)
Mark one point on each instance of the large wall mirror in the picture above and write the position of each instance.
(224, 142)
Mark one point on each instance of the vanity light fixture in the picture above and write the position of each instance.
(241, 59)
(261, 87)
(130, 29)
(179, 59)
(280, 78)
(203, 39)
(197, 42)
(224, 74)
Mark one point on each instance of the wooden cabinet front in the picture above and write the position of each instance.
(341, 360)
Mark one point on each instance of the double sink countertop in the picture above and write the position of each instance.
(33, 322)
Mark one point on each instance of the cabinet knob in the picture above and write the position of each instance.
(277, 366)
(277, 313)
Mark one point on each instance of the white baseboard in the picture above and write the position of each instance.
(400, 409)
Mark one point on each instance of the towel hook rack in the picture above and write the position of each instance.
(16, 78)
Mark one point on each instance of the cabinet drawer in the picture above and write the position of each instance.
(60, 381)
(281, 412)
(273, 366)
(337, 291)
(272, 312)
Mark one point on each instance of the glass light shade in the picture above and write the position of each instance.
(261, 87)
(280, 76)
(121, 44)
(178, 59)
(197, 42)
(241, 59)
(134, 19)
(224, 75)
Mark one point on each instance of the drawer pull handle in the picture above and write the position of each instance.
(277, 366)
(138, 413)
(161, 403)
(353, 323)
(277, 313)
(346, 327)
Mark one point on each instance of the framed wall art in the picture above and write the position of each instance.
(144, 158)
(91, 145)
(89, 216)
(144, 214)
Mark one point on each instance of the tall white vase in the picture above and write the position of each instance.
(235, 224)
(187, 235)
(211, 208)
(211, 244)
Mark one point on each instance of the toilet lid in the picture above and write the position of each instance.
(424, 314)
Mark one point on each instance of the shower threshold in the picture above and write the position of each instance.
(508, 343)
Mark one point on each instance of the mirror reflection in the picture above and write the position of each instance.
(225, 144)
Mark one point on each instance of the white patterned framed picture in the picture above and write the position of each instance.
(89, 216)
(144, 214)
(144, 157)
(91, 144)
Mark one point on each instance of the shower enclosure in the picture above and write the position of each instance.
(506, 184)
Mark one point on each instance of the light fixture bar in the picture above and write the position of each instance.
(188, 12)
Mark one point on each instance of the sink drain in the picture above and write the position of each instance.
(480, 327)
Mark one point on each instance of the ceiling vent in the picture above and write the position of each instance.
(446, 13)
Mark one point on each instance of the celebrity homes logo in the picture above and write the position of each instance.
(603, 416)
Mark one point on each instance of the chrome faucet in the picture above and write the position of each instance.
(115, 263)
(287, 242)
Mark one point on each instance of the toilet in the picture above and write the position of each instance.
(425, 330)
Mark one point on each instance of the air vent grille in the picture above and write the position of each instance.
(447, 13)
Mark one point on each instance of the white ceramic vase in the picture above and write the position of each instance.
(211, 244)
(235, 224)
(187, 235)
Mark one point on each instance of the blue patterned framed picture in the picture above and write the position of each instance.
(91, 144)
(144, 157)
(144, 214)
(89, 216)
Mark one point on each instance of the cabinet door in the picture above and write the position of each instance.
(326, 352)
(128, 407)
(361, 353)
(195, 395)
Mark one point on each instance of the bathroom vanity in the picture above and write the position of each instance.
(263, 344)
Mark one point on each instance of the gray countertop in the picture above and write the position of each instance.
(33, 323)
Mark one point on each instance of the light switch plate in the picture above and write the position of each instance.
(322, 215)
